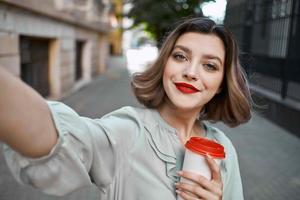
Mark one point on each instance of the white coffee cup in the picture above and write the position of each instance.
(194, 159)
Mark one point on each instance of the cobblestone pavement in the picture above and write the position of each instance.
(268, 154)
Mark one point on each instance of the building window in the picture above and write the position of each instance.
(79, 60)
(34, 53)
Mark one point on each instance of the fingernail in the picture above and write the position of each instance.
(180, 173)
(207, 155)
(178, 191)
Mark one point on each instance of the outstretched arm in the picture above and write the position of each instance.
(25, 120)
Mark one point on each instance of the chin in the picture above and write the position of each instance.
(188, 108)
(185, 105)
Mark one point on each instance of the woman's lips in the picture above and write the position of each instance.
(186, 88)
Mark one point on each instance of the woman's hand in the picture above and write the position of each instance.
(201, 188)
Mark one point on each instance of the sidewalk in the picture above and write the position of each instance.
(269, 160)
(268, 155)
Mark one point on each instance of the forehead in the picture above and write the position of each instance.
(201, 43)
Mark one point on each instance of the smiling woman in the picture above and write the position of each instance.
(206, 46)
(137, 153)
(194, 68)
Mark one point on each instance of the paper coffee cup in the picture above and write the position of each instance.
(194, 159)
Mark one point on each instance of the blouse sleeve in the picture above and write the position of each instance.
(233, 188)
(68, 165)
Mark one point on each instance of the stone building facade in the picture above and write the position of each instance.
(55, 46)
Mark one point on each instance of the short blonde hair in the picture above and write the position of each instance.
(231, 106)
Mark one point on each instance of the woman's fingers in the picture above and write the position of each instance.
(186, 196)
(201, 180)
(215, 187)
(199, 185)
(192, 191)
(214, 168)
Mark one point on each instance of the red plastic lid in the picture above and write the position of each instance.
(204, 146)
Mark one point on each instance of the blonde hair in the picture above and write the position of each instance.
(231, 106)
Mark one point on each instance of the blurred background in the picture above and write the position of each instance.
(83, 52)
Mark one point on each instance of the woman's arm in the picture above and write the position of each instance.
(25, 120)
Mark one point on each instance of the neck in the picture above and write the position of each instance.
(184, 121)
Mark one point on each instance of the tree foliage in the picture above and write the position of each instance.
(159, 15)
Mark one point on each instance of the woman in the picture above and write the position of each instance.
(136, 153)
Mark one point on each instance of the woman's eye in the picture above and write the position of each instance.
(179, 57)
(211, 67)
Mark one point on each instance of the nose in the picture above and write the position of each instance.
(191, 73)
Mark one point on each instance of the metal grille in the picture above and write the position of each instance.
(269, 30)
(272, 83)
(294, 91)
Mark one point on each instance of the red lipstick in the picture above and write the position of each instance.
(186, 88)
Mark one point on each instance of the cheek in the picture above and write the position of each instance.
(165, 77)
(219, 81)
(214, 82)
(168, 72)
(173, 68)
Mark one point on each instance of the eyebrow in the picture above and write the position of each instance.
(207, 56)
(183, 48)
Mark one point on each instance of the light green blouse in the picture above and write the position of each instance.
(129, 154)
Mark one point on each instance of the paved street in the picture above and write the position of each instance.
(269, 155)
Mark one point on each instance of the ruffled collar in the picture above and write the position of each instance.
(160, 121)
(170, 129)
(164, 142)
